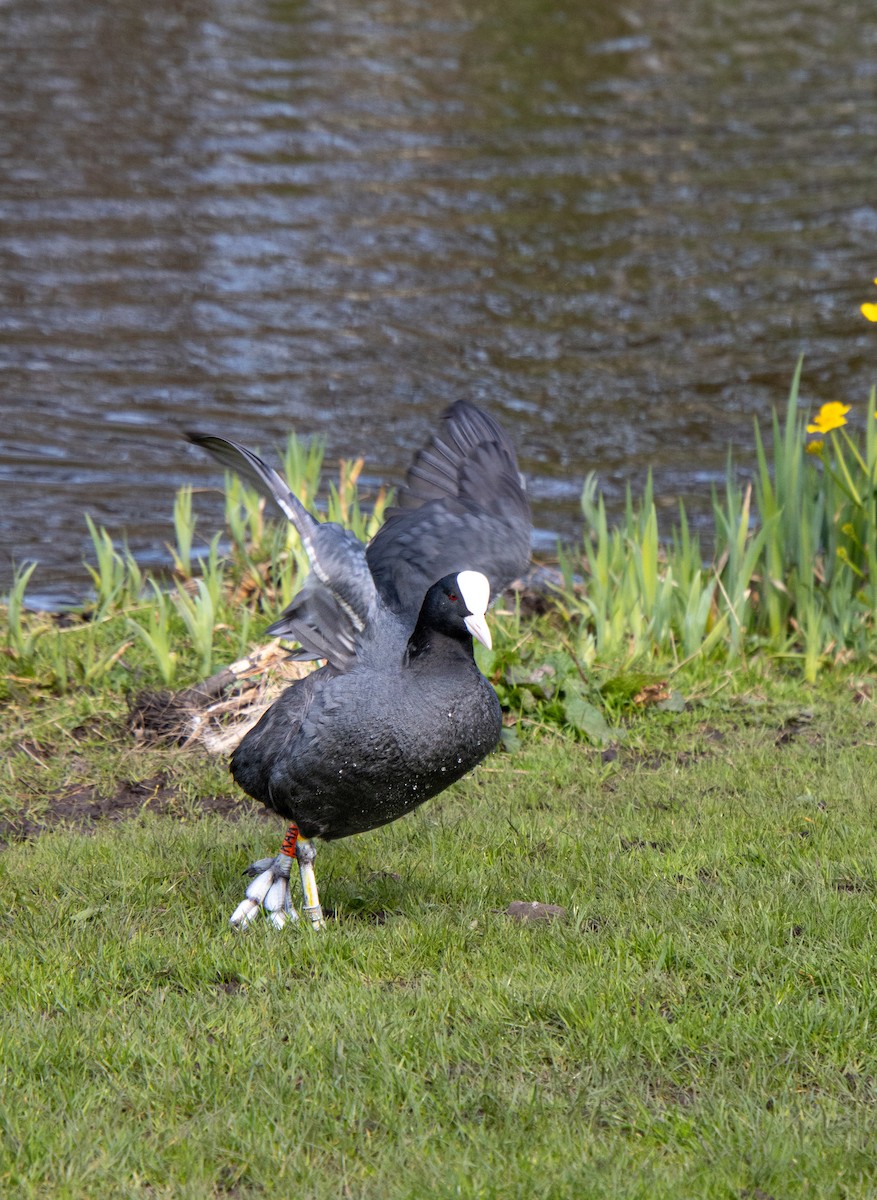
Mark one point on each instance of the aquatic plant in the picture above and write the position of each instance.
(156, 634)
(117, 577)
(185, 521)
(792, 579)
(794, 572)
(21, 633)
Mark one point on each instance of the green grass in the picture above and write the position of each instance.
(703, 1024)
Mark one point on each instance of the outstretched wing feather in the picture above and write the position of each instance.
(463, 506)
(339, 596)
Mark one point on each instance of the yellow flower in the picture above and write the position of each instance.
(815, 447)
(831, 416)
(869, 311)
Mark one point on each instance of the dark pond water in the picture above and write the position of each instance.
(615, 225)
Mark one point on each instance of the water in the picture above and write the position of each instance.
(616, 227)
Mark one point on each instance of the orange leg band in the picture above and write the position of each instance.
(290, 840)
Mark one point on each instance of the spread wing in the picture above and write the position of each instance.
(339, 599)
(463, 507)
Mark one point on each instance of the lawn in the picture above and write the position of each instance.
(702, 1021)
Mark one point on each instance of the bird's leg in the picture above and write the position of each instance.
(306, 852)
(270, 886)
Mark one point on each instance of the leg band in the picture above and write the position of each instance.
(289, 841)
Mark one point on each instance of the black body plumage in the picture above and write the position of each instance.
(340, 753)
(400, 710)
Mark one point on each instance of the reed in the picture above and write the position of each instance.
(117, 577)
(156, 634)
(185, 521)
(793, 578)
(21, 633)
(199, 616)
(794, 573)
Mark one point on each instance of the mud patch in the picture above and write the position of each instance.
(83, 808)
(657, 760)
(528, 911)
(629, 844)
(229, 983)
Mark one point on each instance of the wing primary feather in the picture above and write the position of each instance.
(339, 597)
(254, 470)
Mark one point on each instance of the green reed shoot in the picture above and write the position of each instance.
(80, 657)
(185, 521)
(21, 637)
(199, 615)
(211, 571)
(244, 516)
(117, 577)
(303, 466)
(157, 634)
(344, 506)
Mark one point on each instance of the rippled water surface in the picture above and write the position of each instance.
(617, 227)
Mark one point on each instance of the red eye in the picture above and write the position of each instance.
(451, 596)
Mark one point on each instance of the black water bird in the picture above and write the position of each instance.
(399, 710)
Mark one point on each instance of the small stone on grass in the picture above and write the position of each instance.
(532, 910)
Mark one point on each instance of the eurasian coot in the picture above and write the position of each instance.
(399, 710)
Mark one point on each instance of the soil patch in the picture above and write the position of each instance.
(84, 807)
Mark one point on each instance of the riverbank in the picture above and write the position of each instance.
(685, 792)
(699, 1020)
